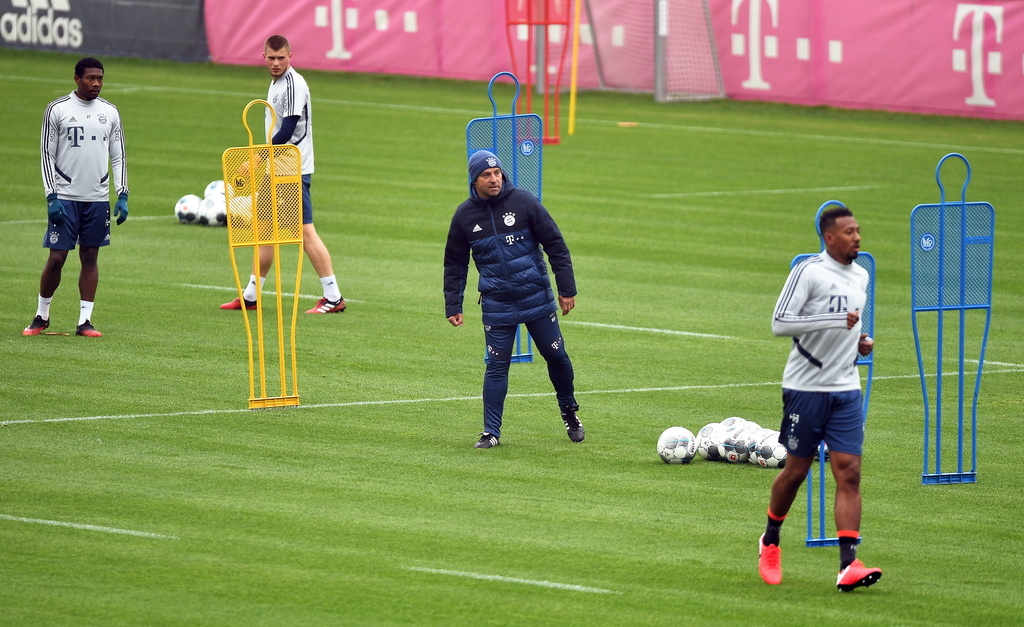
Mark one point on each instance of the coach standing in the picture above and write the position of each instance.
(81, 140)
(505, 228)
(820, 309)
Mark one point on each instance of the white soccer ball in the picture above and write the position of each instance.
(677, 445)
(707, 441)
(817, 450)
(768, 452)
(213, 211)
(187, 208)
(737, 445)
(734, 422)
(214, 188)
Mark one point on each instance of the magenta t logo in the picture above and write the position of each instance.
(976, 59)
(755, 44)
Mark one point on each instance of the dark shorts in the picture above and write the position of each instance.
(810, 417)
(87, 224)
(307, 202)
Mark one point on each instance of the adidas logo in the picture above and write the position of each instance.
(38, 25)
(477, 228)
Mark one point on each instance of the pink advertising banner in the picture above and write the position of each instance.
(931, 56)
(439, 38)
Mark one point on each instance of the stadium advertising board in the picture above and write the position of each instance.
(169, 29)
(942, 56)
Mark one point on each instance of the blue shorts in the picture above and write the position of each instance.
(87, 224)
(307, 202)
(810, 417)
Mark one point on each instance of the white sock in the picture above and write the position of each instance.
(43, 309)
(250, 290)
(331, 291)
(86, 312)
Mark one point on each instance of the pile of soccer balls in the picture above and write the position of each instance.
(733, 440)
(210, 210)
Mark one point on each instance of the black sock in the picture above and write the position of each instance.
(771, 532)
(847, 551)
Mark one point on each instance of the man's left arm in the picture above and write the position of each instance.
(284, 135)
(119, 164)
(550, 238)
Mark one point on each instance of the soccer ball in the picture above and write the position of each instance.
(734, 422)
(768, 452)
(187, 208)
(817, 450)
(213, 211)
(677, 445)
(214, 188)
(707, 441)
(737, 445)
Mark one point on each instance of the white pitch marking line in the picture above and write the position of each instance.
(648, 125)
(996, 363)
(755, 192)
(530, 582)
(450, 399)
(648, 330)
(57, 523)
(231, 289)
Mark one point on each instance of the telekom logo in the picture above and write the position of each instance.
(979, 62)
(338, 18)
(770, 43)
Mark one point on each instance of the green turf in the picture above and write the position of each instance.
(345, 510)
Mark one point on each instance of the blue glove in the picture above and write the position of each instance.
(55, 209)
(121, 208)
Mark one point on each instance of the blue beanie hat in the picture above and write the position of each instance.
(479, 161)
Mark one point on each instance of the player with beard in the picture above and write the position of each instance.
(507, 231)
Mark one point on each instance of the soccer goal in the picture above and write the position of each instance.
(664, 47)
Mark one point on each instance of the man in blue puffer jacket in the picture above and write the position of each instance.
(508, 231)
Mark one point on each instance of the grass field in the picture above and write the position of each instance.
(135, 488)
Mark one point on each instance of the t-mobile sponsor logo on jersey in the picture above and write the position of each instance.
(40, 22)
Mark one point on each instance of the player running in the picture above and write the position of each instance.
(820, 308)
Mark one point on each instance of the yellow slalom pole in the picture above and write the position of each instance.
(574, 65)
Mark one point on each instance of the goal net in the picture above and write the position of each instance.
(664, 47)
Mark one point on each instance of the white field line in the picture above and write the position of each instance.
(529, 582)
(648, 330)
(115, 88)
(222, 288)
(458, 399)
(58, 523)
(761, 192)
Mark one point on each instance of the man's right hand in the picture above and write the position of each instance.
(55, 209)
(456, 320)
(852, 318)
